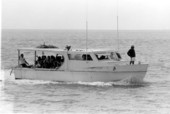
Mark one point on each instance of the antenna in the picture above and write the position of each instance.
(86, 32)
(86, 27)
(118, 24)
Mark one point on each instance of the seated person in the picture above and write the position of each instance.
(22, 61)
(84, 57)
(102, 57)
(38, 62)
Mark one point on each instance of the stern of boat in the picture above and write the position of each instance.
(18, 73)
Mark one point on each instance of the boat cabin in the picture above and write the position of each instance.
(63, 59)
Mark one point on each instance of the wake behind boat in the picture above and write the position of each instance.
(78, 65)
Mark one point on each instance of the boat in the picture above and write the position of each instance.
(85, 65)
(78, 65)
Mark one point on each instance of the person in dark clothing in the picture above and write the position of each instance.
(52, 62)
(44, 61)
(131, 53)
(48, 62)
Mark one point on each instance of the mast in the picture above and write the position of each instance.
(86, 27)
(118, 32)
(86, 33)
(117, 25)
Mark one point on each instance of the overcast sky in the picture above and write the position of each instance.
(71, 14)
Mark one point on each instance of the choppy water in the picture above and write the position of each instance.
(28, 96)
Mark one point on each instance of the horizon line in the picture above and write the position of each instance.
(89, 29)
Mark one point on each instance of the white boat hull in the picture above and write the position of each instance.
(109, 74)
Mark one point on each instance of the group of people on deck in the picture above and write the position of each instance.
(49, 61)
(43, 61)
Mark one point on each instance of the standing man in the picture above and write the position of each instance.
(131, 54)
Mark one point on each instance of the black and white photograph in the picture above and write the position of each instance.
(85, 57)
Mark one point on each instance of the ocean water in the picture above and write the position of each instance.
(35, 96)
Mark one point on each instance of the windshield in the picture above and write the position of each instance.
(108, 56)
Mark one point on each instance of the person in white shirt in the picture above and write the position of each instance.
(22, 61)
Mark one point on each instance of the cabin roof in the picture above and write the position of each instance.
(42, 49)
(65, 51)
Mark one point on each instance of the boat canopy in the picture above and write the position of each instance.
(42, 49)
(66, 51)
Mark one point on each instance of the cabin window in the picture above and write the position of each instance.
(102, 56)
(118, 55)
(108, 56)
(115, 56)
(81, 57)
(87, 57)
